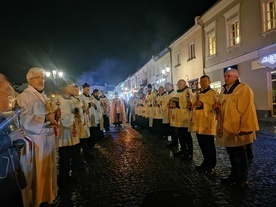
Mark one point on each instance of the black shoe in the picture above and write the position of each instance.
(250, 157)
(79, 168)
(169, 146)
(89, 157)
(240, 185)
(228, 181)
(47, 204)
(178, 154)
(71, 179)
(187, 157)
(210, 171)
(201, 168)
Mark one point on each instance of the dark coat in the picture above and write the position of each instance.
(12, 178)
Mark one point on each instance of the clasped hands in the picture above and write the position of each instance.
(53, 117)
(197, 104)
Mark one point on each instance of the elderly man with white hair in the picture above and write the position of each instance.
(236, 125)
(42, 188)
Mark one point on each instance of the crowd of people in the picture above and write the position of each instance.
(226, 119)
(69, 125)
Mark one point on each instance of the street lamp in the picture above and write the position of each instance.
(165, 71)
(54, 73)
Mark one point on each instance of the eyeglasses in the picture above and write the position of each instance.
(38, 77)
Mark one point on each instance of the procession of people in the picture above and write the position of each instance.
(69, 124)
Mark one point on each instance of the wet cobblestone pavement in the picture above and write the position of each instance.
(133, 168)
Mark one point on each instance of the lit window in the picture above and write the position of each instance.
(212, 45)
(210, 36)
(269, 14)
(232, 19)
(234, 34)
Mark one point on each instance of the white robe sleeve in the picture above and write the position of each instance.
(30, 121)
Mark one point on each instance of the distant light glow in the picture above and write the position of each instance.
(48, 74)
(60, 74)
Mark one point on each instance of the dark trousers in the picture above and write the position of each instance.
(85, 147)
(166, 130)
(133, 120)
(76, 160)
(106, 121)
(143, 122)
(14, 200)
(174, 141)
(185, 140)
(249, 151)
(128, 114)
(95, 135)
(65, 155)
(208, 149)
(157, 127)
(239, 165)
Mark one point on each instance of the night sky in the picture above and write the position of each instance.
(101, 41)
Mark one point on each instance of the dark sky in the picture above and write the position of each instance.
(101, 41)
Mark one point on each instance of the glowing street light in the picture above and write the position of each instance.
(165, 71)
(54, 73)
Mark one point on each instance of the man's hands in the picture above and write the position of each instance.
(197, 104)
(50, 117)
(17, 134)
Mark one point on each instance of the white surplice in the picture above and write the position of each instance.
(42, 182)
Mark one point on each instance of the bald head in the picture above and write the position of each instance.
(181, 84)
(6, 91)
(168, 86)
(231, 76)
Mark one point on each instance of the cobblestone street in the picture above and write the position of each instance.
(133, 168)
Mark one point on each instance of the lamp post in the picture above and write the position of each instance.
(166, 71)
(54, 73)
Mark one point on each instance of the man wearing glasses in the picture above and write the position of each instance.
(42, 188)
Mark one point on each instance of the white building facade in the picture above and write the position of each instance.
(237, 34)
(241, 34)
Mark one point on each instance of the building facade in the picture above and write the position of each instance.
(237, 34)
(241, 34)
(186, 52)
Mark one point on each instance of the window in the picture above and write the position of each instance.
(191, 51)
(269, 14)
(232, 19)
(210, 36)
(212, 45)
(178, 61)
(167, 64)
(216, 86)
(234, 34)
